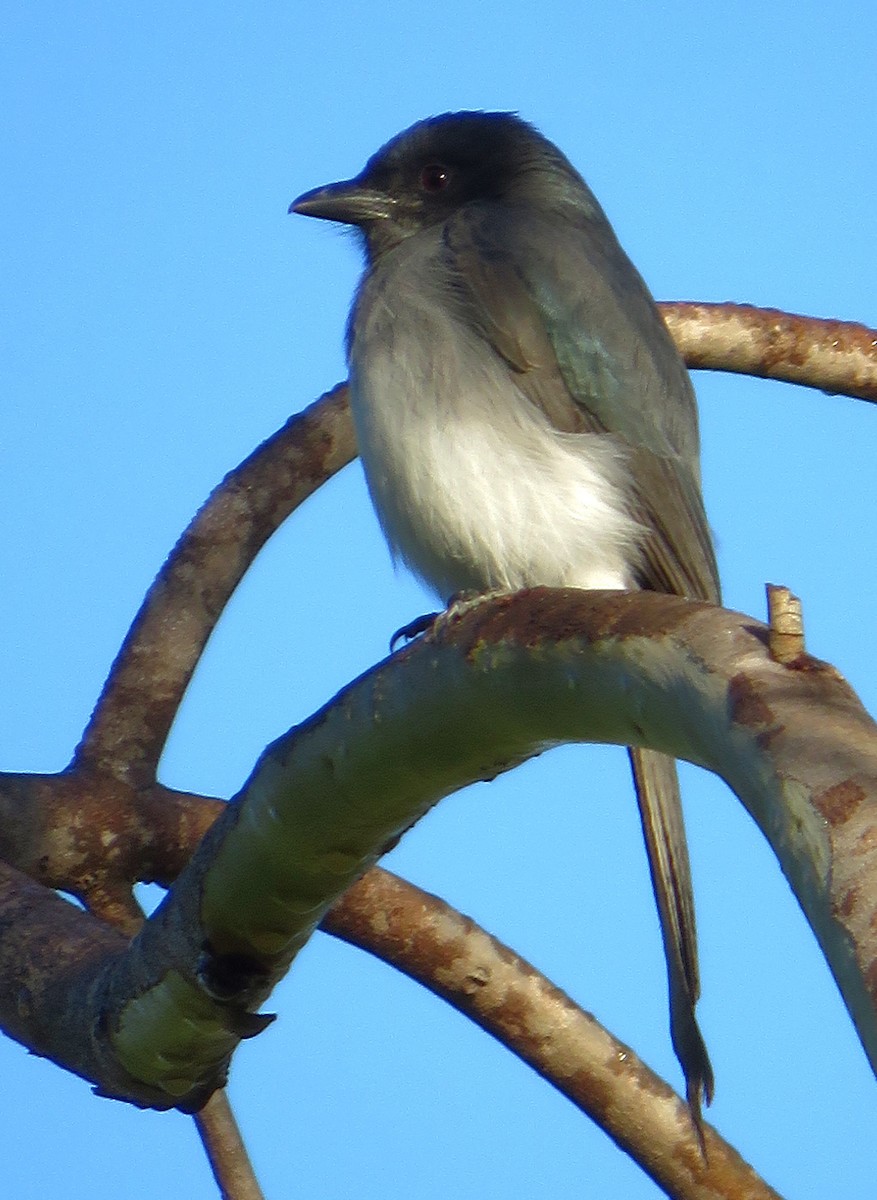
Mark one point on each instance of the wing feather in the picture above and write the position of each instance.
(579, 346)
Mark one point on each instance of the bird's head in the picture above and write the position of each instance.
(423, 175)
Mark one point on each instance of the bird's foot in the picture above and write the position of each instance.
(458, 604)
(413, 629)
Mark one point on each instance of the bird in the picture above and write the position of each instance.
(524, 418)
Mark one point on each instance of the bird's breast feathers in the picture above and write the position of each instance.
(474, 491)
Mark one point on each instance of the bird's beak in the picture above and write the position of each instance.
(351, 202)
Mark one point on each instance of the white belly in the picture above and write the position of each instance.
(473, 489)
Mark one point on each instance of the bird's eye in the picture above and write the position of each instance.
(435, 177)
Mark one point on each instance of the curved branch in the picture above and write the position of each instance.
(128, 728)
(448, 953)
(412, 931)
(835, 356)
(133, 716)
(492, 684)
(495, 683)
(436, 946)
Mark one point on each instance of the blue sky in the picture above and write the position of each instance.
(162, 314)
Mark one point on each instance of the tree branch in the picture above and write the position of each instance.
(421, 936)
(110, 796)
(140, 698)
(133, 716)
(448, 953)
(492, 684)
(226, 1152)
(87, 833)
(835, 356)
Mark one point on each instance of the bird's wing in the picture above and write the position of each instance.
(579, 332)
(680, 557)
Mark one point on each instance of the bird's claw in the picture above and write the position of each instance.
(413, 629)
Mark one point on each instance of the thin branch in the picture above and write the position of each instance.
(835, 356)
(133, 716)
(448, 953)
(226, 1150)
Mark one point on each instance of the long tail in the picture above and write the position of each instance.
(660, 809)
